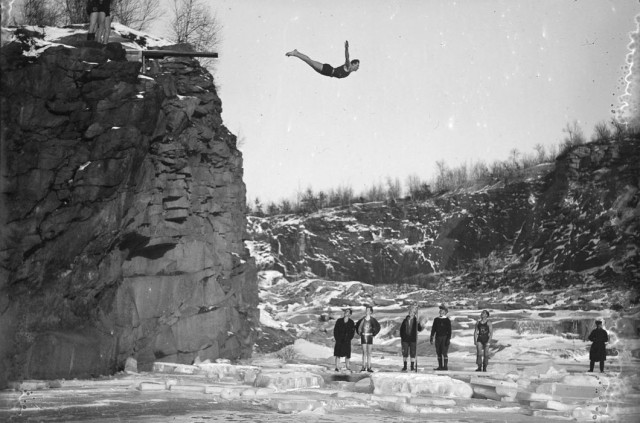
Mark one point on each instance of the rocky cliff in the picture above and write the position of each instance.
(570, 222)
(122, 215)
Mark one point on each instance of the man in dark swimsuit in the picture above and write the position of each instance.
(481, 337)
(326, 69)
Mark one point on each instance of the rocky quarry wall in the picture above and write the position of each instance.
(556, 224)
(122, 216)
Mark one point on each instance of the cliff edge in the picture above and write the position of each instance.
(122, 213)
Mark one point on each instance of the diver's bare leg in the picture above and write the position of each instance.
(317, 66)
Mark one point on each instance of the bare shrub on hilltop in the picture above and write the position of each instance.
(75, 11)
(285, 207)
(601, 132)
(41, 13)
(463, 176)
(375, 192)
(394, 188)
(136, 14)
(343, 196)
(479, 171)
(573, 137)
(193, 23)
(417, 189)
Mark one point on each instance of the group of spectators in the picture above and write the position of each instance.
(368, 327)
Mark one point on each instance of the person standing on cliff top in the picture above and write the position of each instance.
(598, 351)
(98, 11)
(409, 336)
(481, 337)
(326, 69)
(105, 29)
(343, 333)
(367, 328)
(441, 328)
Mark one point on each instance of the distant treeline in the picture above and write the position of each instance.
(446, 178)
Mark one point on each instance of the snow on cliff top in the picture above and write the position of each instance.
(53, 36)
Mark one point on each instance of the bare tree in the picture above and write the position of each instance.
(601, 132)
(573, 134)
(441, 175)
(513, 155)
(394, 188)
(541, 152)
(136, 14)
(76, 11)
(41, 13)
(194, 24)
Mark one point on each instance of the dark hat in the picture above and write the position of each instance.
(347, 309)
(598, 322)
(444, 307)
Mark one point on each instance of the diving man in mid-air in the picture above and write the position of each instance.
(326, 69)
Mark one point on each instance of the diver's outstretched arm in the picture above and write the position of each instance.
(347, 62)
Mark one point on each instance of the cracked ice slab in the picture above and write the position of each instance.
(393, 384)
(287, 380)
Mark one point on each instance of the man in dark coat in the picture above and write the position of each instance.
(598, 351)
(343, 333)
(409, 336)
(441, 328)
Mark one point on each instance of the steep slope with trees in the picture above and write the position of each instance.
(570, 221)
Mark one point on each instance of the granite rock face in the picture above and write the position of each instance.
(554, 225)
(122, 216)
(587, 217)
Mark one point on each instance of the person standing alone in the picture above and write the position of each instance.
(441, 329)
(598, 351)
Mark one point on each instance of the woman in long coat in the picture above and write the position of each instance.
(598, 351)
(343, 333)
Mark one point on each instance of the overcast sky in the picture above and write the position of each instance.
(458, 81)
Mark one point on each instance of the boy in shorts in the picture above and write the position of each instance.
(409, 336)
(367, 328)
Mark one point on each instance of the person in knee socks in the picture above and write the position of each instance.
(441, 329)
(409, 336)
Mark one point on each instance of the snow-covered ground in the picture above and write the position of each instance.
(537, 371)
(54, 36)
(547, 332)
